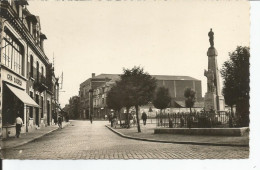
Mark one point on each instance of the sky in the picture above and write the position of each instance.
(163, 37)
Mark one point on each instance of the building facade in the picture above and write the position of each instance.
(24, 66)
(86, 92)
(93, 93)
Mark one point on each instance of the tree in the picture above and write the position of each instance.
(190, 96)
(137, 89)
(114, 99)
(236, 76)
(74, 107)
(162, 98)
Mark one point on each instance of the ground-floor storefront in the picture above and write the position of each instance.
(14, 102)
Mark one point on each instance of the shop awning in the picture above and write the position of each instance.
(23, 96)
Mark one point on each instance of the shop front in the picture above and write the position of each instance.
(15, 102)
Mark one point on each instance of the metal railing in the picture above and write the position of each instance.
(196, 120)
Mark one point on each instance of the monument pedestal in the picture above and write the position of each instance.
(214, 102)
(221, 103)
(210, 101)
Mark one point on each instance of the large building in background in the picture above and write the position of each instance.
(93, 92)
(86, 91)
(25, 70)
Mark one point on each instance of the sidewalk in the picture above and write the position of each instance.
(29, 137)
(147, 134)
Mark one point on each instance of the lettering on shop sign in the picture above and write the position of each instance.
(14, 79)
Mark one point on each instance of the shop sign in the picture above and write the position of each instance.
(13, 79)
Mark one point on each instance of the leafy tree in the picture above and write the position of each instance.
(162, 98)
(236, 76)
(74, 107)
(190, 96)
(137, 89)
(114, 99)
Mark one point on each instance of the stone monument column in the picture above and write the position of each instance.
(213, 99)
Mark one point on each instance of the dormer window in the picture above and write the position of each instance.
(32, 20)
(42, 38)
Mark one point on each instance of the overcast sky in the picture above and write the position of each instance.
(164, 37)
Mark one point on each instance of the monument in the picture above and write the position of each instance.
(213, 100)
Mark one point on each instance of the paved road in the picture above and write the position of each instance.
(82, 140)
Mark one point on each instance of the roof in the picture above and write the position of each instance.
(158, 77)
(169, 77)
(113, 77)
(43, 36)
(32, 18)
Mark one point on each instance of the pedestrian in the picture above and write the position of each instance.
(110, 117)
(19, 123)
(91, 118)
(144, 117)
(60, 121)
(114, 121)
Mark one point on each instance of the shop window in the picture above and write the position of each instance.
(12, 107)
(12, 53)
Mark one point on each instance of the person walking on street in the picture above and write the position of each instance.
(19, 123)
(91, 118)
(144, 117)
(60, 122)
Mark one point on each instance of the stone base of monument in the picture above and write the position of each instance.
(221, 102)
(214, 102)
(210, 101)
(203, 131)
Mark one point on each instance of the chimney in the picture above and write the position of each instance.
(93, 75)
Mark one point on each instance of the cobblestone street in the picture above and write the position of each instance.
(82, 140)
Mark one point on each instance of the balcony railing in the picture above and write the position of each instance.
(40, 84)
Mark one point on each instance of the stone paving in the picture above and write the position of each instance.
(82, 140)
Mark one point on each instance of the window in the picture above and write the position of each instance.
(37, 68)
(12, 54)
(31, 60)
(31, 108)
(42, 75)
(42, 71)
(42, 105)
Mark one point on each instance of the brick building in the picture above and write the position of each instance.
(93, 92)
(86, 92)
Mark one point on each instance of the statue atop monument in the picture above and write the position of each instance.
(211, 37)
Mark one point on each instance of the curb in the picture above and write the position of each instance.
(33, 139)
(174, 142)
